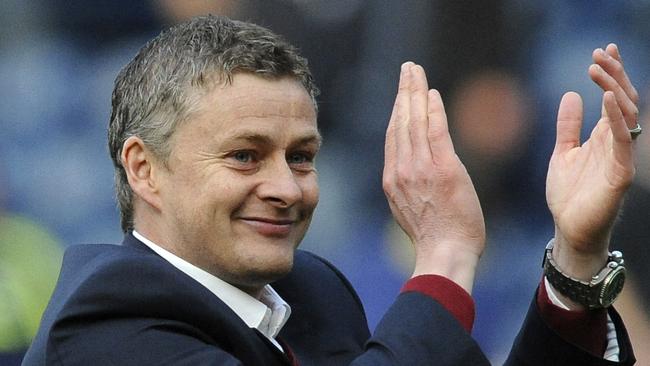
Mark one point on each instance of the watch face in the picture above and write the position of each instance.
(612, 286)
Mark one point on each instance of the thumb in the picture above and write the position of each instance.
(569, 122)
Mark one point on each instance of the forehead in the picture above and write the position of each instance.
(247, 83)
(250, 94)
(278, 107)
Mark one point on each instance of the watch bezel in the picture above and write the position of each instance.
(606, 288)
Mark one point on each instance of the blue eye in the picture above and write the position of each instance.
(243, 156)
(297, 159)
(301, 160)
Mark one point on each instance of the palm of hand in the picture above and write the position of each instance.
(585, 187)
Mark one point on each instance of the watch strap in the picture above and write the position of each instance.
(598, 293)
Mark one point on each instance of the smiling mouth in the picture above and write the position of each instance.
(269, 227)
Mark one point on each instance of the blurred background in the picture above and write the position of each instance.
(501, 66)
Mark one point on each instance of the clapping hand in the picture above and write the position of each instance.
(429, 191)
(586, 182)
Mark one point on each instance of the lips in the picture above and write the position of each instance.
(269, 226)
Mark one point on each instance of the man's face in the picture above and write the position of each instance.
(240, 185)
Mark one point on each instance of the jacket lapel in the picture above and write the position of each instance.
(223, 319)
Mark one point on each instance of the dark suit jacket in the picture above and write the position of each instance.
(125, 305)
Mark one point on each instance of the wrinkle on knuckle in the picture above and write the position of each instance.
(630, 116)
(436, 132)
(633, 116)
(617, 68)
(634, 96)
(404, 177)
(390, 193)
(418, 119)
(434, 110)
(402, 123)
(422, 175)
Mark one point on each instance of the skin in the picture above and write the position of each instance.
(239, 188)
(433, 199)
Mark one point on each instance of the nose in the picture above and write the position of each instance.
(280, 187)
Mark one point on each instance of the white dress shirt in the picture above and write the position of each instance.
(268, 314)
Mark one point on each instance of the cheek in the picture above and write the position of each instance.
(310, 190)
(229, 192)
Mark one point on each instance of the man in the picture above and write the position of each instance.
(214, 137)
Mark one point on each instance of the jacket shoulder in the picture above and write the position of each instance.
(109, 296)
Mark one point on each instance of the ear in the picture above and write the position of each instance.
(141, 170)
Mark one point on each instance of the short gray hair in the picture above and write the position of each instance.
(161, 86)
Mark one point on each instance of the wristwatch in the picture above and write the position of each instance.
(600, 292)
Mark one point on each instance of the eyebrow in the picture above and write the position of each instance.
(257, 138)
(316, 139)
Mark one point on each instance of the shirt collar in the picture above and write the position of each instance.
(268, 314)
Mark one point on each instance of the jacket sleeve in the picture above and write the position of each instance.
(538, 344)
(416, 330)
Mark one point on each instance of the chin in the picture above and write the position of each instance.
(273, 270)
(253, 281)
(262, 270)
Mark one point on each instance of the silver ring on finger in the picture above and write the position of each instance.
(636, 131)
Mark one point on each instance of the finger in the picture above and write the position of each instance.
(622, 141)
(610, 60)
(608, 83)
(569, 122)
(402, 120)
(389, 146)
(419, 121)
(438, 133)
(400, 108)
(612, 50)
